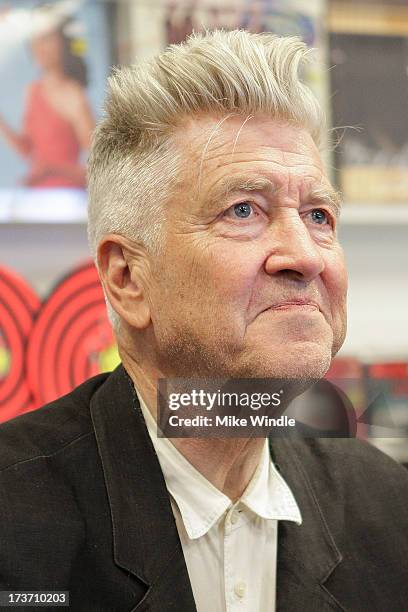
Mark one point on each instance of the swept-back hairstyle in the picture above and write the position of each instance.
(134, 164)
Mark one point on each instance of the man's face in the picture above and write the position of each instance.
(251, 281)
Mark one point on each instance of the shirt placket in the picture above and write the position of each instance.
(235, 583)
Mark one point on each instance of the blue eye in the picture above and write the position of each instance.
(243, 210)
(319, 216)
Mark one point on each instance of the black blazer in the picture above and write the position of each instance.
(84, 508)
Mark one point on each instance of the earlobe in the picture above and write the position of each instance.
(120, 268)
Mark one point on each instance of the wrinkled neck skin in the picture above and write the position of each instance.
(228, 463)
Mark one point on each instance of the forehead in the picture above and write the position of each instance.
(216, 148)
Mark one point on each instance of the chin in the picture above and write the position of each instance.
(297, 360)
(308, 363)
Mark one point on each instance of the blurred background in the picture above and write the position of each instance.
(54, 61)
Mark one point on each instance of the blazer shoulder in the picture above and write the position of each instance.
(355, 455)
(349, 457)
(354, 470)
(48, 429)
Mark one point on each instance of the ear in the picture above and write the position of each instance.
(124, 272)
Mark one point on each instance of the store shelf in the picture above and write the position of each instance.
(374, 214)
(55, 205)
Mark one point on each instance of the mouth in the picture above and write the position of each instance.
(297, 305)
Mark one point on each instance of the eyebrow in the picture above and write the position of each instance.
(327, 196)
(322, 195)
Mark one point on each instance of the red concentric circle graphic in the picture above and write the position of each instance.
(19, 306)
(71, 331)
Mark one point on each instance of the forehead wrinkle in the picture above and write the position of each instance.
(285, 165)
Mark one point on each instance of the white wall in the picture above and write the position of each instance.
(377, 259)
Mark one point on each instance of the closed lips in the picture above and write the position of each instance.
(295, 303)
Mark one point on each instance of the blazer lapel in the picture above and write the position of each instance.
(307, 553)
(145, 536)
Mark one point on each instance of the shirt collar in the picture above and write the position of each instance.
(201, 504)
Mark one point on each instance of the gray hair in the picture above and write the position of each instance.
(134, 166)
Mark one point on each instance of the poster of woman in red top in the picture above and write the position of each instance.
(54, 129)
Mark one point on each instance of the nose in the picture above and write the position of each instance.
(293, 251)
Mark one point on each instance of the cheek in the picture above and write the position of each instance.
(232, 270)
(217, 277)
(336, 281)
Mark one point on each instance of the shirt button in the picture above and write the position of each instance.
(240, 589)
(234, 517)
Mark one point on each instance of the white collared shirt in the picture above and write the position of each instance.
(230, 548)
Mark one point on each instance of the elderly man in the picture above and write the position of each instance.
(213, 225)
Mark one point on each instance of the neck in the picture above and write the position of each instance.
(228, 463)
(53, 75)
